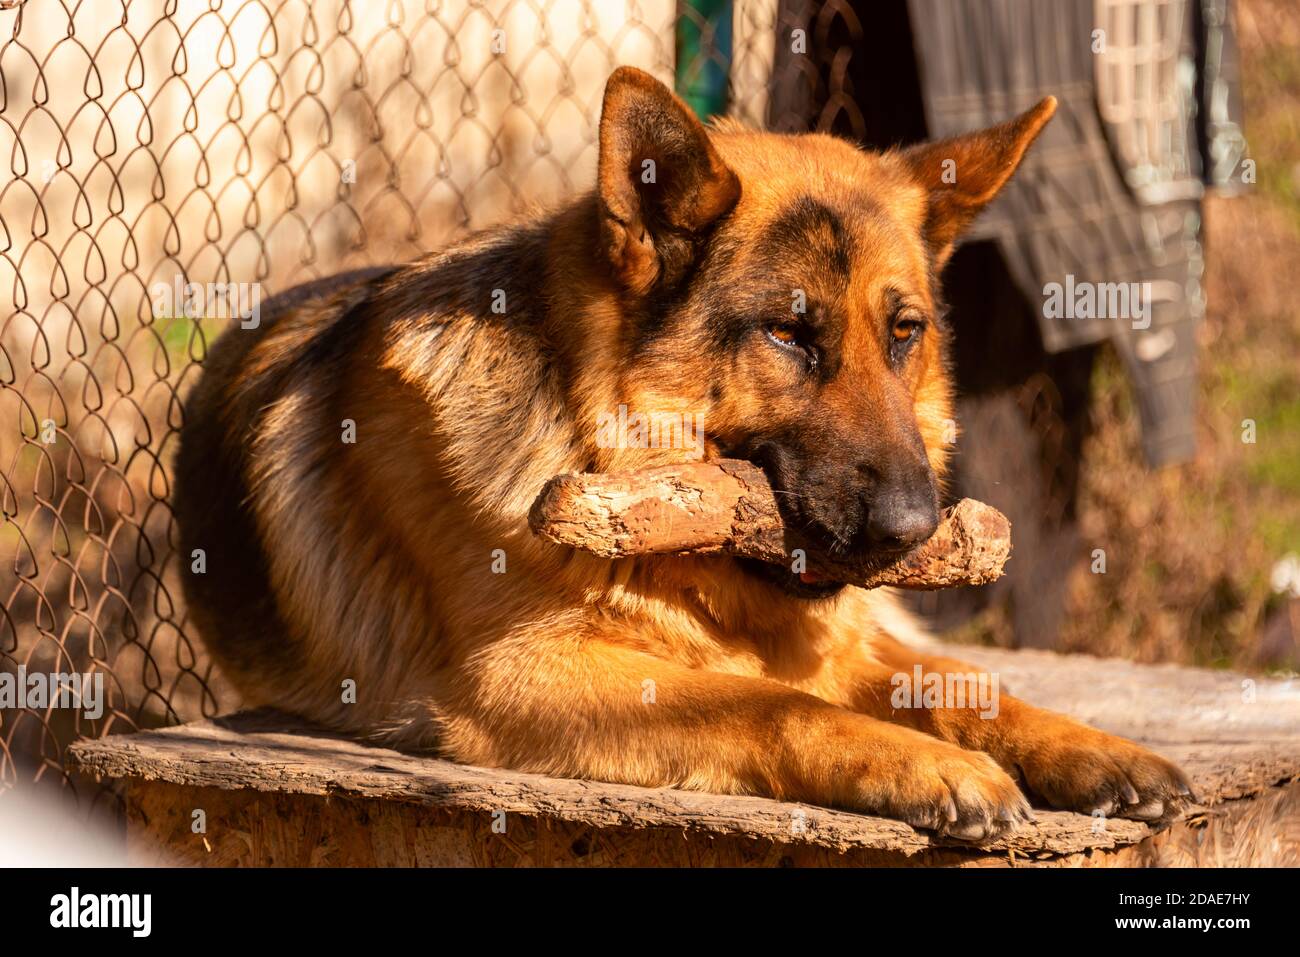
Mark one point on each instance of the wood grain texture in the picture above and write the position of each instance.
(261, 828)
(1237, 737)
(729, 506)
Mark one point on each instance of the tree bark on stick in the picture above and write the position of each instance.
(728, 506)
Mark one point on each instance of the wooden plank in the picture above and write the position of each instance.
(261, 828)
(1237, 737)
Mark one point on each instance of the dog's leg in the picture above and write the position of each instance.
(599, 709)
(1066, 763)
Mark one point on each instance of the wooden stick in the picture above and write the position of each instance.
(728, 506)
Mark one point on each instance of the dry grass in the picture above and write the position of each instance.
(1190, 550)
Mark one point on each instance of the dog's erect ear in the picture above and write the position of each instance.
(964, 173)
(660, 181)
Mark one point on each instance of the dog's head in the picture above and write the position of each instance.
(785, 289)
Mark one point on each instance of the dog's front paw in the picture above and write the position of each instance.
(1077, 768)
(958, 793)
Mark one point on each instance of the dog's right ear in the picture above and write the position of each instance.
(660, 181)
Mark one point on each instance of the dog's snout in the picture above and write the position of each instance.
(901, 516)
(870, 503)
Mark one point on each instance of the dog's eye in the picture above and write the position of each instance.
(793, 337)
(906, 329)
(784, 333)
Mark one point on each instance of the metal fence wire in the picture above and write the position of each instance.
(155, 144)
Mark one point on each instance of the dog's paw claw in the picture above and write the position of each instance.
(1081, 769)
(1146, 811)
(958, 794)
(973, 831)
(949, 811)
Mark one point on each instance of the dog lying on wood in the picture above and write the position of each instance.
(355, 478)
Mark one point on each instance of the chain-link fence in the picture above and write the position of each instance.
(155, 145)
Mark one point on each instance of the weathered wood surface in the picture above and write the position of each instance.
(729, 506)
(1238, 738)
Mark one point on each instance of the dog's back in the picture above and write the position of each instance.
(334, 458)
(227, 589)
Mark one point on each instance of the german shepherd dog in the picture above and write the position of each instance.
(358, 472)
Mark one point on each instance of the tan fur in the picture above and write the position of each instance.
(378, 557)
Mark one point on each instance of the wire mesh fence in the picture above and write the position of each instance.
(154, 146)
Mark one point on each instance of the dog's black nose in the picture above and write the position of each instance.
(901, 517)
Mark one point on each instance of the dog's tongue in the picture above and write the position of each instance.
(808, 578)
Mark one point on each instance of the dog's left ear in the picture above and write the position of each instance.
(964, 173)
(660, 181)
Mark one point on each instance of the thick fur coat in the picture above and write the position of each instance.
(358, 471)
